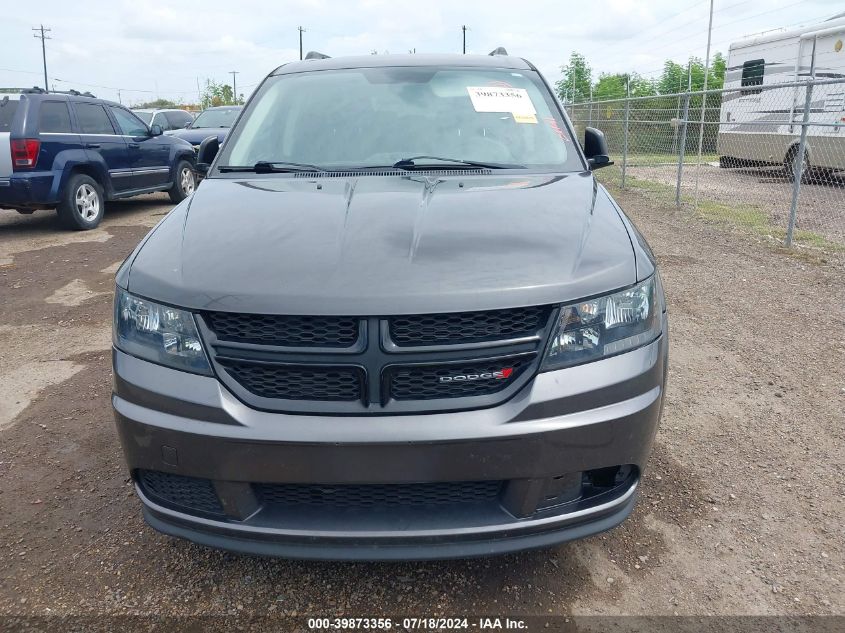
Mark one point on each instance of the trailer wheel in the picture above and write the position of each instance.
(795, 166)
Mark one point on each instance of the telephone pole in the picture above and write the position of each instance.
(234, 84)
(301, 31)
(464, 29)
(43, 37)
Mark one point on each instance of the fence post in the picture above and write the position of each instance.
(796, 171)
(625, 143)
(682, 146)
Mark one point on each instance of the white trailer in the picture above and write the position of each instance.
(761, 125)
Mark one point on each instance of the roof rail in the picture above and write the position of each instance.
(36, 90)
(13, 90)
(499, 50)
(316, 55)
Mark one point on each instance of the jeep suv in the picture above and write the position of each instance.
(400, 319)
(74, 152)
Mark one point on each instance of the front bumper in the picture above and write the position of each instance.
(562, 426)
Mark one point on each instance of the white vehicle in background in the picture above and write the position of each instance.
(168, 119)
(762, 126)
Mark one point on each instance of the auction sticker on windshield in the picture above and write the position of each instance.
(500, 99)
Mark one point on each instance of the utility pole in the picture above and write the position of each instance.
(464, 29)
(301, 31)
(119, 100)
(43, 37)
(234, 84)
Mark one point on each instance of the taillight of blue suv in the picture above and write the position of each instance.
(25, 152)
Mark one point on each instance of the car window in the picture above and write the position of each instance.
(178, 120)
(130, 125)
(159, 119)
(373, 117)
(93, 119)
(224, 117)
(7, 113)
(144, 116)
(54, 117)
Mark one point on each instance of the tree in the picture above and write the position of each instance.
(609, 86)
(576, 81)
(158, 104)
(215, 94)
(673, 79)
(613, 86)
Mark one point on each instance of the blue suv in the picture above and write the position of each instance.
(73, 152)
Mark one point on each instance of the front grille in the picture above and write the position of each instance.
(467, 327)
(470, 379)
(376, 364)
(344, 496)
(298, 382)
(288, 331)
(178, 490)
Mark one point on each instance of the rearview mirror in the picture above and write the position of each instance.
(187, 124)
(595, 148)
(206, 154)
(155, 130)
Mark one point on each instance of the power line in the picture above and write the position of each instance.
(43, 37)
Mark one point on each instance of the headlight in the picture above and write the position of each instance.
(158, 333)
(589, 330)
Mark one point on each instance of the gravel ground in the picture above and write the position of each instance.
(741, 509)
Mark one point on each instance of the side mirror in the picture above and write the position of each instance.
(206, 154)
(155, 130)
(187, 124)
(595, 149)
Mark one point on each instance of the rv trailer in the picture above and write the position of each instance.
(760, 123)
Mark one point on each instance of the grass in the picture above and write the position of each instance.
(649, 160)
(746, 217)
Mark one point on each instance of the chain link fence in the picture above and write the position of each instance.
(735, 155)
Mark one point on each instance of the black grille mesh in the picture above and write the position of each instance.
(298, 382)
(379, 495)
(423, 382)
(284, 330)
(178, 490)
(467, 327)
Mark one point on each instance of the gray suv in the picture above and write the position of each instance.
(400, 319)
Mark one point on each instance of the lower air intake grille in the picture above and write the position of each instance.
(178, 490)
(455, 381)
(298, 382)
(467, 327)
(379, 495)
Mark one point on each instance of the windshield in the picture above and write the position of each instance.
(375, 117)
(146, 117)
(216, 118)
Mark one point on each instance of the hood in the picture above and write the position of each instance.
(198, 135)
(380, 245)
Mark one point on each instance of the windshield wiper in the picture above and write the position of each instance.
(267, 167)
(411, 163)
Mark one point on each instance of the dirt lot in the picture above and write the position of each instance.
(741, 510)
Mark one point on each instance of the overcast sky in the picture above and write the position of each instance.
(154, 48)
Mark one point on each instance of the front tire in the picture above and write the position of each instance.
(184, 183)
(81, 206)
